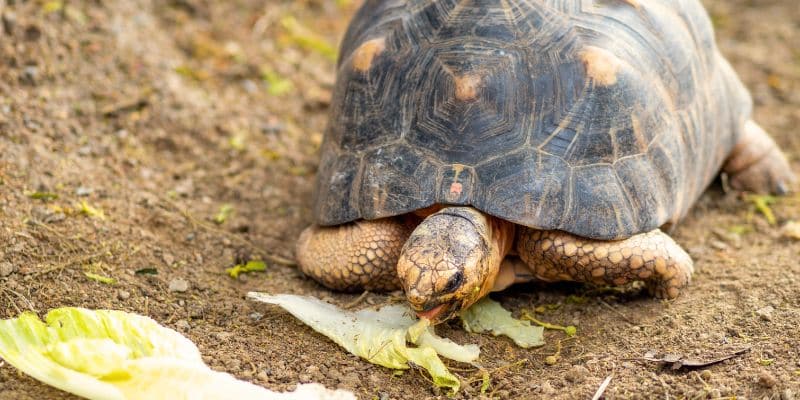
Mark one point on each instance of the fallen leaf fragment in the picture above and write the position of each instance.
(42, 195)
(251, 266)
(222, 215)
(677, 361)
(100, 278)
(762, 204)
(488, 315)
(89, 211)
(379, 336)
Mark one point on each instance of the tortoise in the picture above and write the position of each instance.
(474, 144)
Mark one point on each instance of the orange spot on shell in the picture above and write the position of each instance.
(366, 53)
(467, 87)
(456, 188)
(601, 65)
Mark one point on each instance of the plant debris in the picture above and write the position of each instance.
(100, 278)
(42, 195)
(250, 266)
(569, 330)
(676, 361)
(222, 215)
(89, 211)
(762, 204)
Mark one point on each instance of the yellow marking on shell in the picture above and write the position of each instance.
(632, 3)
(601, 65)
(467, 86)
(366, 53)
(456, 187)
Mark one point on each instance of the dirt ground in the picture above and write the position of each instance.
(157, 114)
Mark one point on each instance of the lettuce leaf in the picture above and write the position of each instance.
(488, 315)
(379, 336)
(111, 355)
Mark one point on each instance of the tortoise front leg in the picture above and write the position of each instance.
(361, 255)
(757, 164)
(652, 257)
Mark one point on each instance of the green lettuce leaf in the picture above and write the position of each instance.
(379, 336)
(488, 315)
(110, 355)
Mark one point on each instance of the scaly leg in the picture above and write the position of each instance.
(652, 257)
(757, 164)
(361, 255)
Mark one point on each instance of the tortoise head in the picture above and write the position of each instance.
(450, 261)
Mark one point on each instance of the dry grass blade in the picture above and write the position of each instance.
(602, 389)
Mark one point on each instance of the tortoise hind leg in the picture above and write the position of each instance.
(361, 255)
(652, 257)
(757, 164)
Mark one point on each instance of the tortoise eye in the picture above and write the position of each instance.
(454, 282)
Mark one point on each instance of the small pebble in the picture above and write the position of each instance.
(182, 325)
(169, 259)
(719, 245)
(178, 285)
(765, 313)
(577, 374)
(83, 191)
(30, 74)
(706, 375)
(9, 20)
(256, 316)
(6, 268)
(196, 311)
(787, 395)
(547, 388)
(123, 295)
(766, 380)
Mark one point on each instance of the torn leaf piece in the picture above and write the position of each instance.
(677, 361)
(378, 336)
(488, 315)
(251, 266)
(113, 355)
(423, 335)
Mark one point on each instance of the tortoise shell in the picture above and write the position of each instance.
(600, 118)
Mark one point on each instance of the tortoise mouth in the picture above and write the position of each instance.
(438, 313)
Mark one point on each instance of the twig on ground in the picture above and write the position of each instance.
(602, 389)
